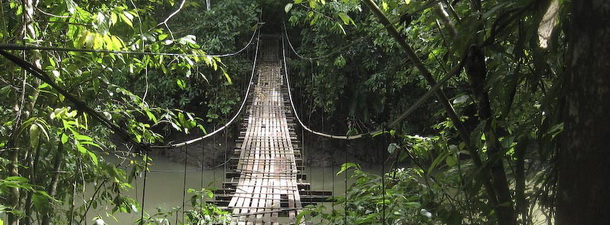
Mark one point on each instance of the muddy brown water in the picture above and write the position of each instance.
(165, 186)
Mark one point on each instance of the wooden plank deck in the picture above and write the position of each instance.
(267, 173)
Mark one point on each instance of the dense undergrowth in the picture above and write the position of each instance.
(481, 149)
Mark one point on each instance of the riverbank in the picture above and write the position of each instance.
(209, 153)
(317, 151)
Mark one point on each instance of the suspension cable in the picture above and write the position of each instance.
(345, 182)
(202, 160)
(46, 48)
(79, 104)
(186, 157)
(244, 48)
(456, 70)
(383, 184)
(417, 10)
(241, 107)
(142, 222)
(82, 106)
(297, 115)
(357, 41)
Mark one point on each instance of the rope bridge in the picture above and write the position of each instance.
(266, 180)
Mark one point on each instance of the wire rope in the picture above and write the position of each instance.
(332, 173)
(80, 105)
(202, 160)
(357, 41)
(242, 49)
(214, 149)
(144, 187)
(186, 157)
(226, 150)
(345, 171)
(123, 133)
(47, 48)
(383, 197)
(241, 107)
(456, 70)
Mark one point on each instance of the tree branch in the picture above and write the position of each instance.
(172, 15)
(484, 175)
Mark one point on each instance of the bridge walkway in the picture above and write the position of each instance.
(266, 183)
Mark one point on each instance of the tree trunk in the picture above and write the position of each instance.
(584, 176)
(442, 14)
(476, 70)
(506, 212)
(15, 200)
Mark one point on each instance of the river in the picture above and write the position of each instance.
(165, 182)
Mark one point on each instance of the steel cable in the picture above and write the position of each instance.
(241, 107)
(46, 48)
(420, 9)
(241, 50)
(80, 105)
(323, 56)
(456, 70)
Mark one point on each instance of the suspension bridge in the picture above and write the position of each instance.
(267, 179)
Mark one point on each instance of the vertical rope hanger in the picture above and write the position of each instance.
(306, 160)
(74, 184)
(143, 99)
(383, 156)
(302, 109)
(214, 149)
(346, 171)
(136, 189)
(186, 157)
(144, 187)
(202, 161)
(226, 150)
(384, 150)
(305, 157)
(332, 173)
(183, 187)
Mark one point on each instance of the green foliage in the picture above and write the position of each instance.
(509, 107)
(201, 212)
(407, 200)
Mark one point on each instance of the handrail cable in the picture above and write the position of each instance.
(241, 107)
(425, 6)
(45, 48)
(241, 50)
(456, 70)
(144, 187)
(327, 55)
(79, 104)
(186, 158)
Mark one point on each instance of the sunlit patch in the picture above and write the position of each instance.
(549, 21)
